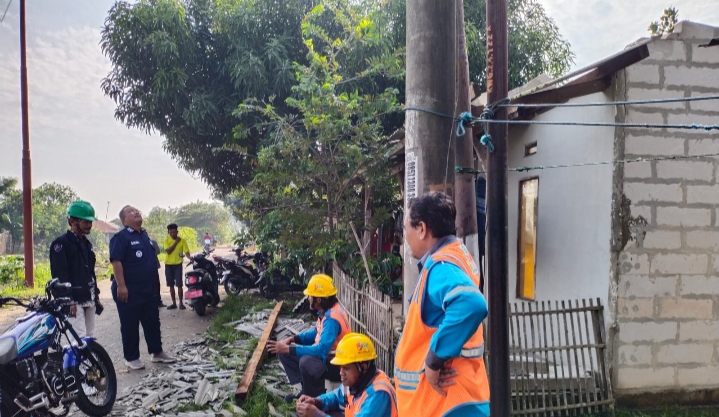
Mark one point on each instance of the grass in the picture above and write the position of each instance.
(234, 308)
(42, 277)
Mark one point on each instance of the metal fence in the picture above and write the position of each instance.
(557, 359)
(370, 312)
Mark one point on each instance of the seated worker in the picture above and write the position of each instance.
(305, 356)
(371, 393)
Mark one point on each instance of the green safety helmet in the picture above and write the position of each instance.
(81, 210)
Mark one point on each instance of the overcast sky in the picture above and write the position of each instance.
(76, 140)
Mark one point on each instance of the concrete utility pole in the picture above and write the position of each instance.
(26, 167)
(465, 198)
(431, 57)
(497, 88)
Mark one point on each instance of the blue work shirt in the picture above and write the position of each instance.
(377, 403)
(453, 304)
(139, 262)
(307, 346)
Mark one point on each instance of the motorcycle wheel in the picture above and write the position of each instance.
(232, 286)
(96, 394)
(216, 298)
(200, 308)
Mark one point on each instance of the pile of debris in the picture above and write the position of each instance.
(197, 377)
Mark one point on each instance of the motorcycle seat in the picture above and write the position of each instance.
(8, 350)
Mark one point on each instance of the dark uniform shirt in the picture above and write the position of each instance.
(139, 262)
(72, 260)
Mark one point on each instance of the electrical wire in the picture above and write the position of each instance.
(584, 164)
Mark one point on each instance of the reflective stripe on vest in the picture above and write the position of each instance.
(414, 395)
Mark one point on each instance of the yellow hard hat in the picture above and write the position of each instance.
(321, 285)
(353, 348)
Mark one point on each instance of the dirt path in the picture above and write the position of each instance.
(176, 326)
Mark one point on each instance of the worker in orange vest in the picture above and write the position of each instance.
(365, 392)
(306, 356)
(443, 326)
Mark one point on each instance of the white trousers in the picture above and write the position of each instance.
(84, 321)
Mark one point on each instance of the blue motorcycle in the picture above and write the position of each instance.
(41, 373)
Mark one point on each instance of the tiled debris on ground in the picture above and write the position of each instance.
(196, 377)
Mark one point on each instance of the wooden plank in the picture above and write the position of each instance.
(260, 352)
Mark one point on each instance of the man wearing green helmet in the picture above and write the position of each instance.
(72, 260)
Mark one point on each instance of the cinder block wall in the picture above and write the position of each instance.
(666, 332)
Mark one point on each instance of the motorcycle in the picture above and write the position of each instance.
(236, 275)
(39, 376)
(202, 283)
(272, 282)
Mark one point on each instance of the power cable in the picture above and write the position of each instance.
(614, 103)
(583, 164)
(6, 9)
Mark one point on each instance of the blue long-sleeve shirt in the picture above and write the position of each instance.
(453, 304)
(307, 346)
(377, 403)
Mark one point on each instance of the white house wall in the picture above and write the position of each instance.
(574, 204)
(667, 302)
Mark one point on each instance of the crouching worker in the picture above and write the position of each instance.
(365, 392)
(305, 357)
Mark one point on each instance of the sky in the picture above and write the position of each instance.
(76, 141)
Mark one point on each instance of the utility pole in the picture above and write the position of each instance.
(26, 167)
(431, 58)
(465, 198)
(107, 210)
(497, 275)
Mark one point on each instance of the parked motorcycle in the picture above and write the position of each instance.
(39, 376)
(236, 275)
(272, 281)
(202, 283)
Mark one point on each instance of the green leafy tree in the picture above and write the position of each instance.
(309, 179)
(156, 223)
(206, 217)
(50, 202)
(181, 68)
(200, 216)
(666, 22)
(11, 211)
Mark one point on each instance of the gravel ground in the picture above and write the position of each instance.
(177, 326)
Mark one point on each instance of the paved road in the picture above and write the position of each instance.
(177, 325)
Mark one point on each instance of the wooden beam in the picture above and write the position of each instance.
(260, 352)
(609, 67)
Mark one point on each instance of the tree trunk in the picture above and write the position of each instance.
(465, 197)
(367, 235)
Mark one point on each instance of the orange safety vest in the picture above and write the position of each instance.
(380, 383)
(415, 397)
(339, 314)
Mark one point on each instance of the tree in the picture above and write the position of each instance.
(11, 211)
(50, 202)
(309, 180)
(156, 223)
(200, 216)
(206, 217)
(666, 22)
(182, 67)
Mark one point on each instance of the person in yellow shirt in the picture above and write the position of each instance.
(175, 246)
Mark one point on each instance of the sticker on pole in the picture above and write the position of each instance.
(411, 175)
